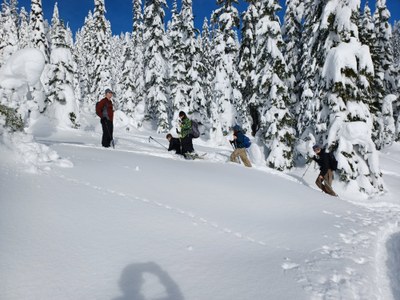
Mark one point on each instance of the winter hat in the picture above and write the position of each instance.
(316, 146)
(182, 114)
(109, 91)
(236, 128)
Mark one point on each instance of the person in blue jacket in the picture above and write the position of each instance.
(240, 149)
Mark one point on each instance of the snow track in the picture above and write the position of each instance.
(191, 216)
(393, 264)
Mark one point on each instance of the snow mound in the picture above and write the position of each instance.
(23, 67)
(37, 157)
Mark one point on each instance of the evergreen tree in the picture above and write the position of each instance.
(396, 43)
(126, 83)
(100, 76)
(179, 81)
(272, 97)
(8, 31)
(61, 100)
(155, 61)
(192, 51)
(23, 30)
(247, 62)
(368, 37)
(83, 48)
(292, 37)
(227, 108)
(385, 82)
(206, 60)
(367, 28)
(383, 48)
(396, 60)
(347, 76)
(313, 56)
(138, 61)
(37, 27)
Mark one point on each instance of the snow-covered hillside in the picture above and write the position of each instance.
(78, 221)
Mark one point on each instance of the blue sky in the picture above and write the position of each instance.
(119, 12)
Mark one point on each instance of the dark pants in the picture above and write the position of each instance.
(325, 183)
(187, 144)
(108, 129)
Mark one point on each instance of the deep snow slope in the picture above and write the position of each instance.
(137, 222)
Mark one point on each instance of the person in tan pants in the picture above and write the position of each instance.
(325, 177)
(239, 145)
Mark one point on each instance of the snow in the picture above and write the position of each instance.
(78, 221)
(352, 55)
(22, 68)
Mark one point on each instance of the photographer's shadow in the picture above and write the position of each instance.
(134, 286)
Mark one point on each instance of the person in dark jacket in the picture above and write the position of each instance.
(325, 177)
(185, 134)
(174, 144)
(105, 111)
(240, 149)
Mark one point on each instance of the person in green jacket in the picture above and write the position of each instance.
(185, 134)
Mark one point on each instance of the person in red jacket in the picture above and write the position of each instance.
(105, 110)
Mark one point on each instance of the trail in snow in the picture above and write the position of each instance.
(194, 218)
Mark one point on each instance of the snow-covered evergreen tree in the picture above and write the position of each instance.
(396, 43)
(117, 59)
(368, 37)
(100, 76)
(23, 29)
(62, 106)
(396, 60)
(277, 130)
(126, 89)
(138, 62)
(37, 27)
(367, 28)
(292, 36)
(384, 53)
(347, 74)
(207, 70)
(155, 61)
(179, 59)
(84, 60)
(385, 74)
(8, 31)
(227, 108)
(247, 62)
(192, 51)
(314, 41)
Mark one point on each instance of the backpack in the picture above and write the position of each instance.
(97, 104)
(104, 112)
(333, 163)
(246, 142)
(195, 129)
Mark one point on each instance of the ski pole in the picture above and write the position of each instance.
(233, 144)
(151, 138)
(306, 170)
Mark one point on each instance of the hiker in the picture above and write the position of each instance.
(240, 148)
(174, 144)
(185, 134)
(105, 110)
(325, 177)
